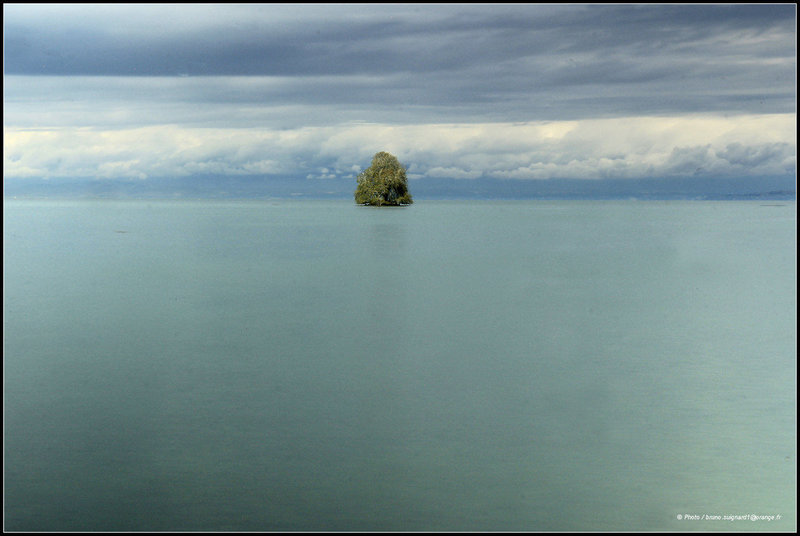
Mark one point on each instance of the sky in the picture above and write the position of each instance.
(456, 91)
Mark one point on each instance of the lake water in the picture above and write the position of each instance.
(470, 366)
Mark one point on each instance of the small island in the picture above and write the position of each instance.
(383, 183)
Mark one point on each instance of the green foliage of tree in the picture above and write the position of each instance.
(383, 183)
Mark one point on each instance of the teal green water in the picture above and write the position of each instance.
(313, 365)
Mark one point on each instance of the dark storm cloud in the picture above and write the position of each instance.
(364, 39)
(538, 61)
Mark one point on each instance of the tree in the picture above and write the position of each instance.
(383, 182)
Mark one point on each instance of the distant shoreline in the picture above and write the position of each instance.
(270, 187)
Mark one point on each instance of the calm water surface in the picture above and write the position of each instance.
(313, 365)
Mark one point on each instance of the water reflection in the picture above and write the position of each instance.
(388, 237)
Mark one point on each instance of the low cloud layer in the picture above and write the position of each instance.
(634, 147)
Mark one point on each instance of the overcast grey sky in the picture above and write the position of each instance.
(460, 91)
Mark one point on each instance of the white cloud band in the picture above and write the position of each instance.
(628, 147)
